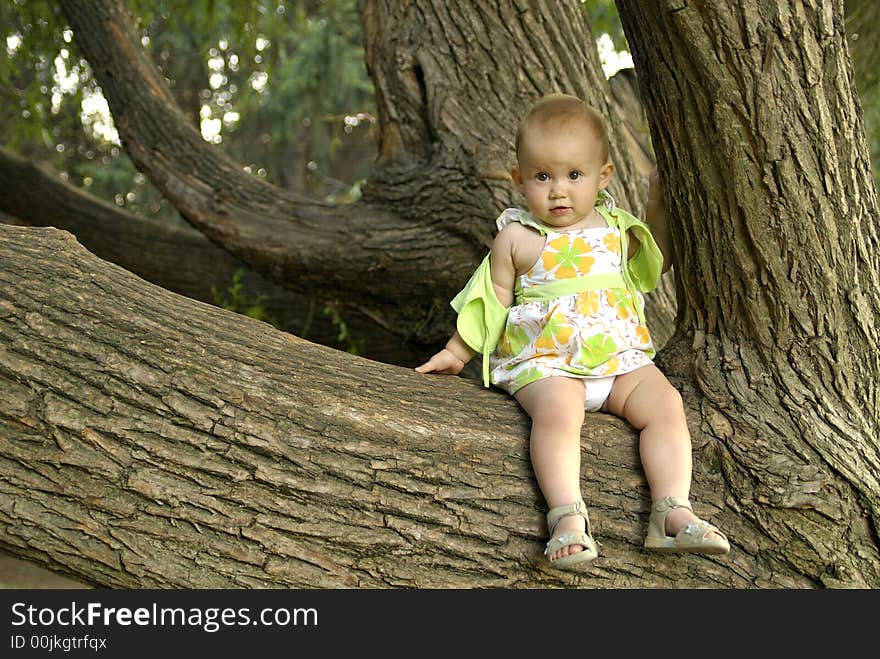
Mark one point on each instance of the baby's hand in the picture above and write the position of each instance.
(443, 362)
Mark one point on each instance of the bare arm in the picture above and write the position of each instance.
(451, 359)
(503, 262)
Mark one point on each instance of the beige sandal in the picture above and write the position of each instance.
(570, 538)
(694, 537)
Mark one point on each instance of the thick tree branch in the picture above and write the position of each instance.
(150, 441)
(177, 258)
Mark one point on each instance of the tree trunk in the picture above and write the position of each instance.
(147, 440)
(773, 213)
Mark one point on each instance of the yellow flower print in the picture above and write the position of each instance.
(570, 258)
(588, 302)
(612, 242)
(621, 300)
(611, 366)
(556, 333)
(642, 334)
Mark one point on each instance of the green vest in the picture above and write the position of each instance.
(482, 318)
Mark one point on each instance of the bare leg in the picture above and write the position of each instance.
(556, 406)
(647, 400)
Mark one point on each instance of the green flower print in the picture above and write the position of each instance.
(570, 259)
(556, 333)
(597, 350)
(527, 376)
(514, 339)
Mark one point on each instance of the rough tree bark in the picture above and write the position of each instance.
(147, 440)
(757, 130)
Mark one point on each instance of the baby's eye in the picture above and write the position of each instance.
(575, 175)
(542, 176)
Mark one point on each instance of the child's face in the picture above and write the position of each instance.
(560, 173)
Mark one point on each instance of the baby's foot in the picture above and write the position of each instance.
(570, 542)
(568, 524)
(678, 518)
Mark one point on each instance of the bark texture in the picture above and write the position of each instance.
(758, 135)
(148, 440)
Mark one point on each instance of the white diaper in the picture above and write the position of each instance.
(596, 392)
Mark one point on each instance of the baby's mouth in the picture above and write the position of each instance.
(559, 210)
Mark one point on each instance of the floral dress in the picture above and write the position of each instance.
(592, 333)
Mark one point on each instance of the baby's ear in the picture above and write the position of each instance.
(605, 174)
(516, 176)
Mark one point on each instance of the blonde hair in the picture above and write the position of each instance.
(556, 110)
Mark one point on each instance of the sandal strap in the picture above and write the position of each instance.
(557, 513)
(659, 510)
(699, 530)
(668, 503)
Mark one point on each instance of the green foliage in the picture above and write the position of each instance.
(234, 298)
(36, 109)
(346, 340)
(300, 130)
(320, 99)
(33, 36)
(45, 82)
(603, 18)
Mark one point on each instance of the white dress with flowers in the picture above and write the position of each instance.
(593, 333)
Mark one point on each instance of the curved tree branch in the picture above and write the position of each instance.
(178, 258)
